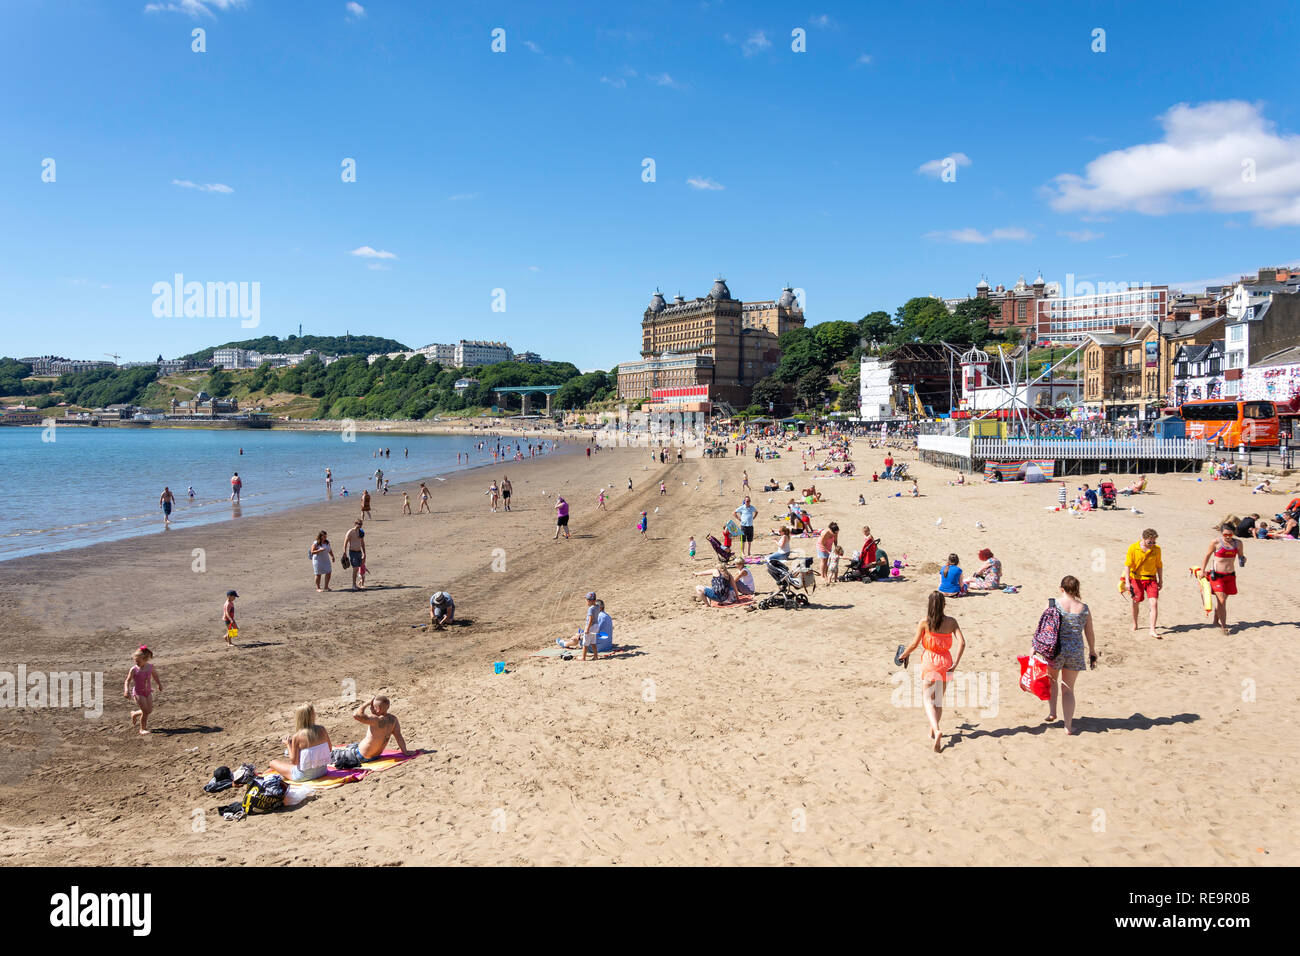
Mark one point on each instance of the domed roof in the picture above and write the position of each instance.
(657, 303)
(719, 290)
(678, 300)
(1040, 280)
(982, 284)
(1020, 284)
(787, 300)
(974, 356)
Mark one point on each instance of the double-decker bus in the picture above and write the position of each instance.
(1234, 423)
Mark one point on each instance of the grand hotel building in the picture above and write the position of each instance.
(709, 349)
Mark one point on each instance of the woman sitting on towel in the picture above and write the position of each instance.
(989, 575)
(743, 579)
(308, 749)
(721, 590)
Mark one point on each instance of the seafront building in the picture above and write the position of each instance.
(1049, 316)
(467, 353)
(715, 346)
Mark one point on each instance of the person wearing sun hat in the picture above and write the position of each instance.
(989, 575)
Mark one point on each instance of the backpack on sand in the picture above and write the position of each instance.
(265, 794)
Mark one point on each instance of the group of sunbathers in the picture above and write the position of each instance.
(310, 753)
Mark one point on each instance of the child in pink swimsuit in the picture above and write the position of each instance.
(137, 688)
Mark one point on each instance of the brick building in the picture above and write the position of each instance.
(714, 340)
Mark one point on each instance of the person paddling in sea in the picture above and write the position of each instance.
(941, 636)
(167, 501)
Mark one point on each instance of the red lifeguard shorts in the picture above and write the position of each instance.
(1143, 589)
(1224, 584)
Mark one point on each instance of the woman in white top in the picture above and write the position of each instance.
(308, 749)
(322, 560)
(782, 545)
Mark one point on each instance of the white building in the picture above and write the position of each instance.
(233, 359)
(1070, 318)
(470, 353)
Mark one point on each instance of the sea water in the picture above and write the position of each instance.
(91, 485)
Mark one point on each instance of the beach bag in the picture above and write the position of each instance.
(1047, 636)
(265, 794)
(1034, 677)
(345, 562)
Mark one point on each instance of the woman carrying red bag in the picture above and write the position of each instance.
(940, 635)
(1076, 625)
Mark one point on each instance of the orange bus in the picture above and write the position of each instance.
(1236, 424)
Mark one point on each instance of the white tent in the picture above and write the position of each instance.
(1034, 474)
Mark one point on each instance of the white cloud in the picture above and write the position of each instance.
(663, 79)
(378, 267)
(534, 268)
(617, 82)
(972, 235)
(532, 46)
(863, 60)
(935, 167)
(194, 8)
(1082, 235)
(203, 187)
(821, 20)
(704, 182)
(1204, 161)
(756, 43)
(355, 10)
(459, 197)
(366, 252)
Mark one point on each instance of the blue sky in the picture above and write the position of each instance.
(522, 170)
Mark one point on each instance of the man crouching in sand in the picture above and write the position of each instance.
(380, 725)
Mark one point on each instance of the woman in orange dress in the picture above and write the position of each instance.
(941, 637)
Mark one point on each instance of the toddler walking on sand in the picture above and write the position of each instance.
(228, 615)
(691, 548)
(643, 524)
(137, 688)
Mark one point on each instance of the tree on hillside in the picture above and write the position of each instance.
(767, 392)
(800, 354)
(811, 387)
(876, 327)
(914, 317)
(219, 382)
(836, 340)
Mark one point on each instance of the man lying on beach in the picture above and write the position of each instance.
(380, 725)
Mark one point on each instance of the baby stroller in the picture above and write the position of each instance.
(872, 572)
(899, 473)
(792, 585)
(724, 554)
(1107, 489)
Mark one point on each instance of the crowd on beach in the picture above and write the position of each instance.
(1069, 648)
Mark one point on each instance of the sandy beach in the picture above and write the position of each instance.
(721, 735)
